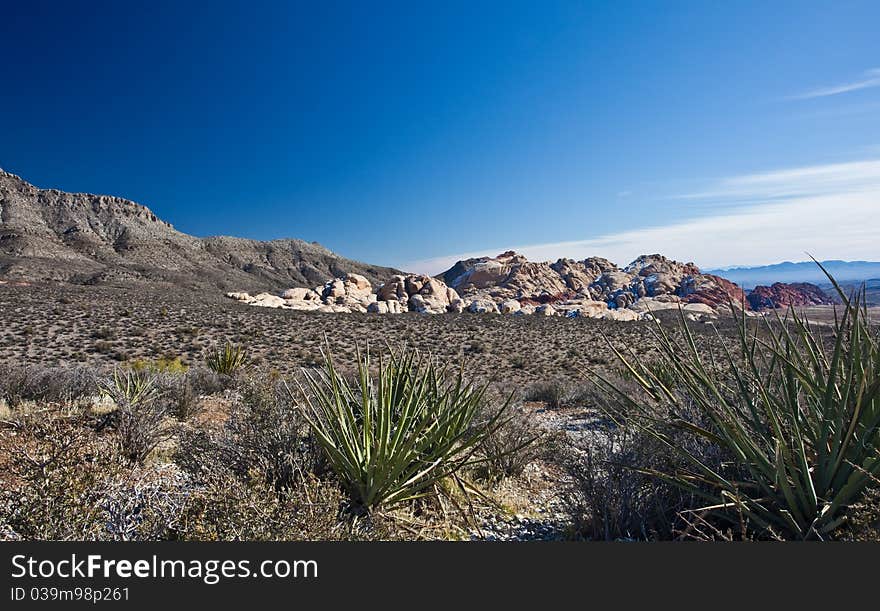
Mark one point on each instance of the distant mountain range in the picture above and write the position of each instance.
(50, 235)
(845, 272)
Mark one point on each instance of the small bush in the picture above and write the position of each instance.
(139, 417)
(204, 381)
(265, 438)
(160, 365)
(554, 393)
(140, 428)
(64, 482)
(224, 508)
(509, 448)
(613, 498)
(46, 384)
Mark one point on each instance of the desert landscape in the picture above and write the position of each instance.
(480, 272)
(154, 385)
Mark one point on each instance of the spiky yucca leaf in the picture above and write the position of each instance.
(799, 413)
(391, 438)
(228, 359)
(130, 387)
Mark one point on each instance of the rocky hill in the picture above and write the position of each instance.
(647, 282)
(51, 235)
(511, 284)
(780, 295)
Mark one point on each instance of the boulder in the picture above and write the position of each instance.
(510, 306)
(545, 310)
(621, 314)
(351, 290)
(526, 310)
(268, 300)
(300, 294)
(240, 296)
(699, 309)
(418, 293)
(482, 306)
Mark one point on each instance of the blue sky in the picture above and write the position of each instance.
(412, 135)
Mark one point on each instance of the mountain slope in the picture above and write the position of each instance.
(46, 234)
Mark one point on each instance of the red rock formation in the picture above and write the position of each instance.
(781, 295)
(715, 291)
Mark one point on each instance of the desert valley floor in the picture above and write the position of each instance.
(540, 361)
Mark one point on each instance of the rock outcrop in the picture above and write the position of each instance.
(354, 293)
(418, 293)
(592, 287)
(781, 295)
(511, 284)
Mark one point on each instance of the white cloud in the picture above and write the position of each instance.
(831, 211)
(870, 78)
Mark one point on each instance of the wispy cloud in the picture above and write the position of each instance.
(870, 78)
(831, 211)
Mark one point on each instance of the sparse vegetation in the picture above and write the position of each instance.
(158, 445)
(796, 410)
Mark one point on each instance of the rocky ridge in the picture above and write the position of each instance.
(80, 238)
(511, 284)
(780, 295)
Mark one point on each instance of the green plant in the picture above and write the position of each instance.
(797, 412)
(130, 386)
(228, 359)
(163, 364)
(394, 438)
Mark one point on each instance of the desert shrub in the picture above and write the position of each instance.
(46, 384)
(140, 428)
(184, 400)
(394, 437)
(228, 359)
(63, 482)
(139, 418)
(613, 497)
(223, 507)
(265, 438)
(179, 390)
(163, 364)
(508, 448)
(797, 411)
(204, 381)
(553, 393)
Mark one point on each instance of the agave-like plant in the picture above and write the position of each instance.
(394, 438)
(799, 414)
(228, 359)
(130, 387)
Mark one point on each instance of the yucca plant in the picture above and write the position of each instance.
(394, 438)
(228, 359)
(798, 413)
(130, 387)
